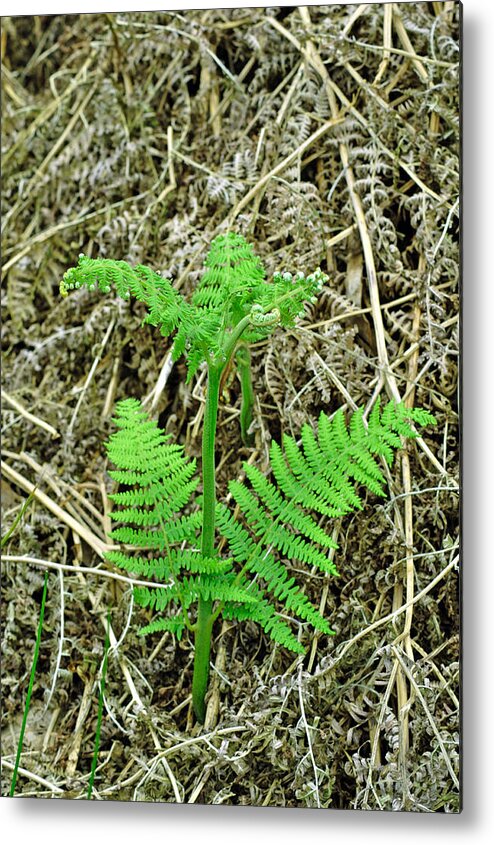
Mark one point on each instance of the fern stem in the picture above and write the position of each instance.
(234, 337)
(204, 624)
(208, 461)
(244, 371)
(202, 649)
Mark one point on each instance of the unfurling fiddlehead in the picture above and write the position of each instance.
(233, 301)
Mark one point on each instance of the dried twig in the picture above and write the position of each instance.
(27, 414)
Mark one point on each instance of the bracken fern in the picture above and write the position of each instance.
(173, 535)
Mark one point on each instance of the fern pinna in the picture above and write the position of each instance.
(172, 533)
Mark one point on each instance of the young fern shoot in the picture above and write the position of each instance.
(169, 531)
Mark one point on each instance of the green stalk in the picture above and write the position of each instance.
(100, 709)
(244, 371)
(202, 650)
(30, 687)
(6, 537)
(235, 336)
(204, 624)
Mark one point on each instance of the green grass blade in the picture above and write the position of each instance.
(30, 687)
(100, 710)
(8, 534)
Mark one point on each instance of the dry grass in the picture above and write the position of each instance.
(328, 136)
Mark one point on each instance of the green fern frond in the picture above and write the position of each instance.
(417, 415)
(171, 565)
(234, 284)
(387, 426)
(260, 518)
(213, 588)
(198, 337)
(232, 288)
(139, 538)
(177, 497)
(240, 542)
(254, 554)
(264, 615)
(184, 529)
(159, 598)
(164, 476)
(158, 567)
(304, 489)
(290, 292)
(190, 588)
(174, 624)
(173, 532)
(284, 588)
(321, 473)
(285, 510)
(318, 475)
(233, 273)
(162, 480)
(157, 293)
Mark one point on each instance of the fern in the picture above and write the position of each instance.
(170, 535)
(163, 302)
(274, 522)
(232, 299)
(233, 274)
(319, 475)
